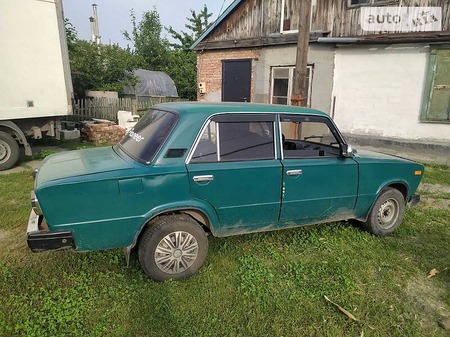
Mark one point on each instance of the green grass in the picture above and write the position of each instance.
(265, 284)
(437, 174)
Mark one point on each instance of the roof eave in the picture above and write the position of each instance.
(216, 23)
(396, 38)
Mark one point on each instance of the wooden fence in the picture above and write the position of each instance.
(107, 108)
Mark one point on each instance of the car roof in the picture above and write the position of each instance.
(208, 108)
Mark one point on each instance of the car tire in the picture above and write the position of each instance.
(9, 151)
(173, 247)
(386, 214)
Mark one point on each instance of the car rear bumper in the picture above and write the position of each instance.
(414, 200)
(40, 240)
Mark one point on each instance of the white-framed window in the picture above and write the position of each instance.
(282, 82)
(289, 16)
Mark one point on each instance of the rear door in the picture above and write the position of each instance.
(234, 168)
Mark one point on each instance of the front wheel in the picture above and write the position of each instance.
(174, 247)
(387, 213)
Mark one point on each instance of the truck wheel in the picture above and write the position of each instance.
(9, 151)
(387, 213)
(174, 247)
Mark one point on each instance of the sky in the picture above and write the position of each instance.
(114, 15)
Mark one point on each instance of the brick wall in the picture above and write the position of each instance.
(103, 133)
(209, 64)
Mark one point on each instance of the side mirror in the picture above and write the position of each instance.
(348, 151)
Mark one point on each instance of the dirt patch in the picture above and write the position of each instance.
(430, 195)
(434, 188)
(428, 297)
(3, 235)
(14, 202)
(436, 203)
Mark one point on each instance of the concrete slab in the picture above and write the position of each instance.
(424, 152)
(25, 166)
(413, 154)
(15, 169)
(34, 164)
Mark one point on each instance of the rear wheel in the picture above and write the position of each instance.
(9, 151)
(387, 213)
(174, 247)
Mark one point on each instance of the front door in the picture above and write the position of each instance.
(234, 168)
(236, 80)
(319, 183)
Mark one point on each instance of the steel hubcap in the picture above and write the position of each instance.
(388, 213)
(176, 252)
(5, 153)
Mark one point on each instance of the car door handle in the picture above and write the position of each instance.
(199, 179)
(294, 172)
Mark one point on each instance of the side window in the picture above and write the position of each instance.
(235, 141)
(308, 138)
(246, 141)
(206, 150)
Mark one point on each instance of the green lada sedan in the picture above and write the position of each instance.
(190, 170)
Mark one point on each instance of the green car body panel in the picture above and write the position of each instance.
(104, 197)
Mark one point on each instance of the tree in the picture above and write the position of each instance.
(99, 67)
(71, 33)
(183, 61)
(147, 41)
(198, 23)
(176, 59)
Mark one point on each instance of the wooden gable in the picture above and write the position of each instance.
(259, 22)
(342, 19)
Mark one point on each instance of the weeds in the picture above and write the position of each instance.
(265, 284)
(437, 174)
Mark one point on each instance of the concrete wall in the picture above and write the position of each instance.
(320, 56)
(102, 94)
(379, 93)
(378, 89)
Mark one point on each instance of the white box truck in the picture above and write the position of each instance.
(35, 82)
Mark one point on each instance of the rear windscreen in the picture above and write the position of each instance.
(143, 141)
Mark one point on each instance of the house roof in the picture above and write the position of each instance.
(222, 16)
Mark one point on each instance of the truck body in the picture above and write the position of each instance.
(35, 85)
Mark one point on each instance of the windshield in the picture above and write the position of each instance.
(143, 141)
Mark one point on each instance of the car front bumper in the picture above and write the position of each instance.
(40, 240)
(414, 200)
